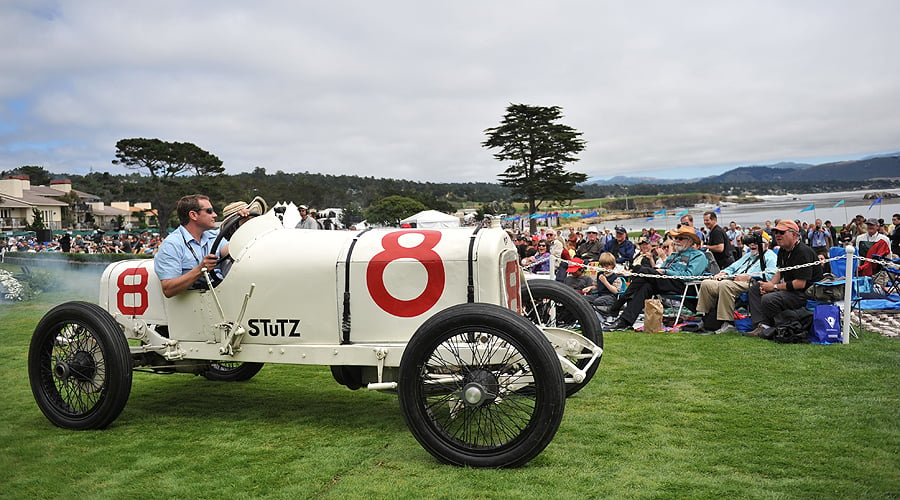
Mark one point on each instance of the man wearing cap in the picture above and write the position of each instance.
(187, 252)
(786, 289)
(306, 222)
(872, 235)
(685, 261)
(590, 249)
(620, 247)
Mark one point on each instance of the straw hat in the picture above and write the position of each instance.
(257, 206)
(685, 231)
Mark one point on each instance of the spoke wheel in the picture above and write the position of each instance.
(553, 304)
(231, 371)
(79, 366)
(460, 382)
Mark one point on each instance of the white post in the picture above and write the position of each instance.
(848, 292)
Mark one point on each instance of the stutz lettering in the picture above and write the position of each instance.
(274, 327)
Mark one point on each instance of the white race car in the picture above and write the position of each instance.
(441, 317)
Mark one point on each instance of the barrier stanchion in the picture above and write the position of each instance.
(848, 292)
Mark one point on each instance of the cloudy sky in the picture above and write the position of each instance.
(405, 89)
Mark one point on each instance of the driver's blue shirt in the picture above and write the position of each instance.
(174, 259)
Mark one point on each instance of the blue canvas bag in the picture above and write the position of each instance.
(826, 326)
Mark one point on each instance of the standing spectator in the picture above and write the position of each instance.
(895, 235)
(831, 229)
(717, 242)
(820, 239)
(688, 220)
(306, 222)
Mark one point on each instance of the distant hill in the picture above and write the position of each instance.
(874, 167)
(856, 170)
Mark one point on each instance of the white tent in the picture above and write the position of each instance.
(432, 218)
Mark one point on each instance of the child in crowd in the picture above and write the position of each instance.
(608, 285)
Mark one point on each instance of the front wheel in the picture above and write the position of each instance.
(461, 382)
(231, 371)
(79, 366)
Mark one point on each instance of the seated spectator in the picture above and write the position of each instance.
(686, 261)
(608, 284)
(539, 262)
(786, 289)
(644, 256)
(621, 248)
(722, 291)
(576, 278)
(872, 235)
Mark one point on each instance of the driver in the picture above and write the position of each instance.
(185, 253)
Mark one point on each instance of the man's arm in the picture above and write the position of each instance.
(174, 286)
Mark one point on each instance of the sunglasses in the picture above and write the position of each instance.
(778, 231)
(686, 238)
(208, 210)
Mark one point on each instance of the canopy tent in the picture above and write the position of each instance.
(431, 218)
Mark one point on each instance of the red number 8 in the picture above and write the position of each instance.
(137, 289)
(423, 253)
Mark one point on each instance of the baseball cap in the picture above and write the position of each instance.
(787, 225)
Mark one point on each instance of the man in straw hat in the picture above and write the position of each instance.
(685, 261)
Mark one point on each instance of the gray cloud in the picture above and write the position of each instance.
(405, 89)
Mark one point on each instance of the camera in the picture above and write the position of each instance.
(754, 237)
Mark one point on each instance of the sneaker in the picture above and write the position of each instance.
(726, 328)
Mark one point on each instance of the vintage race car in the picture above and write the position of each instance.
(480, 360)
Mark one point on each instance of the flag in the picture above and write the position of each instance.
(838, 204)
(592, 214)
(660, 212)
(682, 213)
(718, 210)
(877, 201)
(809, 208)
(649, 219)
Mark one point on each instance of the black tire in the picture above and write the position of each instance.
(551, 303)
(79, 365)
(495, 424)
(231, 371)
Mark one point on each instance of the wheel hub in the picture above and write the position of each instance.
(80, 366)
(481, 387)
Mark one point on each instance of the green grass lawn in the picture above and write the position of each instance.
(667, 416)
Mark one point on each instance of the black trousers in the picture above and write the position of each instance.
(763, 308)
(641, 289)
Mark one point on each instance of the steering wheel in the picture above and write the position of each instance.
(226, 231)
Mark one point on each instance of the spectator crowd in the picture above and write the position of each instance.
(616, 274)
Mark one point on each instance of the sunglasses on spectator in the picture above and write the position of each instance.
(683, 238)
(778, 231)
(208, 210)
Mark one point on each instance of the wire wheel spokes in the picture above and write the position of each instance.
(469, 390)
(76, 366)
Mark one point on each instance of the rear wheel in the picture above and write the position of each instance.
(79, 366)
(231, 371)
(460, 382)
(553, 304)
